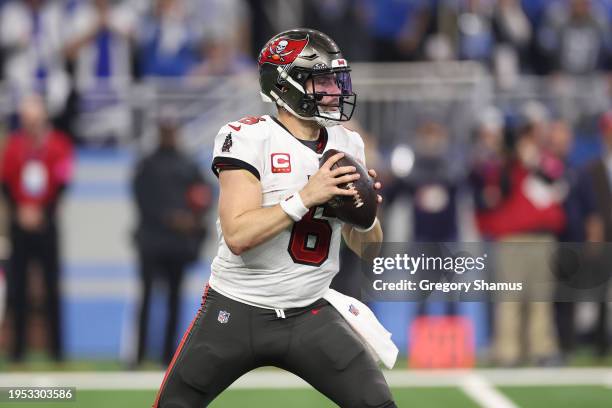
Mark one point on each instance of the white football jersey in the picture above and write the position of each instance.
(295, 267)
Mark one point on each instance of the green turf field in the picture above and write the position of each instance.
(560, 397)
(529, 387)
(447, 397)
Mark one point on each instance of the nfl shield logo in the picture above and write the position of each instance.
(354, 310)
(223, 316)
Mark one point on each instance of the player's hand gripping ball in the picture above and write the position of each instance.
(360, 209)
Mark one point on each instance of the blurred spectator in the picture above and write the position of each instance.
(535, 10)
(447, 33)
(31, 41)
(489, 175)
(432, 185)
(332, 17)
(601, 172)
(535, 116)
(99, 45)
(524, 223)
(99, 42)
(397, 28)
(36, 168)
(171, 198)
(226, 18)
(222, 56)
(468, 27)
(583, 223)
(224, 49)
(476, 37)
(513, 36)
(167, 41)
(575, 37)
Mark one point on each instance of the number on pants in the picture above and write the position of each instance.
(310, 238)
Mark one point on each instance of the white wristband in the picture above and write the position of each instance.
(294, 207)
(370, 228)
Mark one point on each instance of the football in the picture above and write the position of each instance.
(359, 210)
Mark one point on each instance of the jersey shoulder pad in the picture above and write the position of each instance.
(241, 144)
(247, 124)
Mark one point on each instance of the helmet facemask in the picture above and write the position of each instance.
(325, 96)
(333, 96)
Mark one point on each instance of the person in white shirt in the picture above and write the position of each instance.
(266, 300)
(31, 39)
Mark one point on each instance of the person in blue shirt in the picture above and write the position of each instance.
(397, 28)
(167, 42)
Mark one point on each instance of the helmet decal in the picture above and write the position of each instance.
(282, 51)
(340, 62)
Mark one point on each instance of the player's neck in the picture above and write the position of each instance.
(299, 128)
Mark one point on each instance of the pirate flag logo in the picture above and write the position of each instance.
(282, 51)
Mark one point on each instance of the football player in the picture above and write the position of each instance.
(278, 245)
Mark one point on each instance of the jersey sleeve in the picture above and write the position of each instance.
(240, 149)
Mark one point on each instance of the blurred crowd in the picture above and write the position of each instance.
(171, 198)
(523, 188)
(82, 55)
(74, 50)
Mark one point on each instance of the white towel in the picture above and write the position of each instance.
(366, 325)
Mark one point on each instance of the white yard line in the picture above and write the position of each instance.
(85, 380)
(485, 394)
(523, 377)
(270, 378)
(608, 380)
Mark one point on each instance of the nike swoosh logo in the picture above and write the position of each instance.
(236, 128)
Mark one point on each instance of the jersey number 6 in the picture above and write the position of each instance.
(310, 238)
